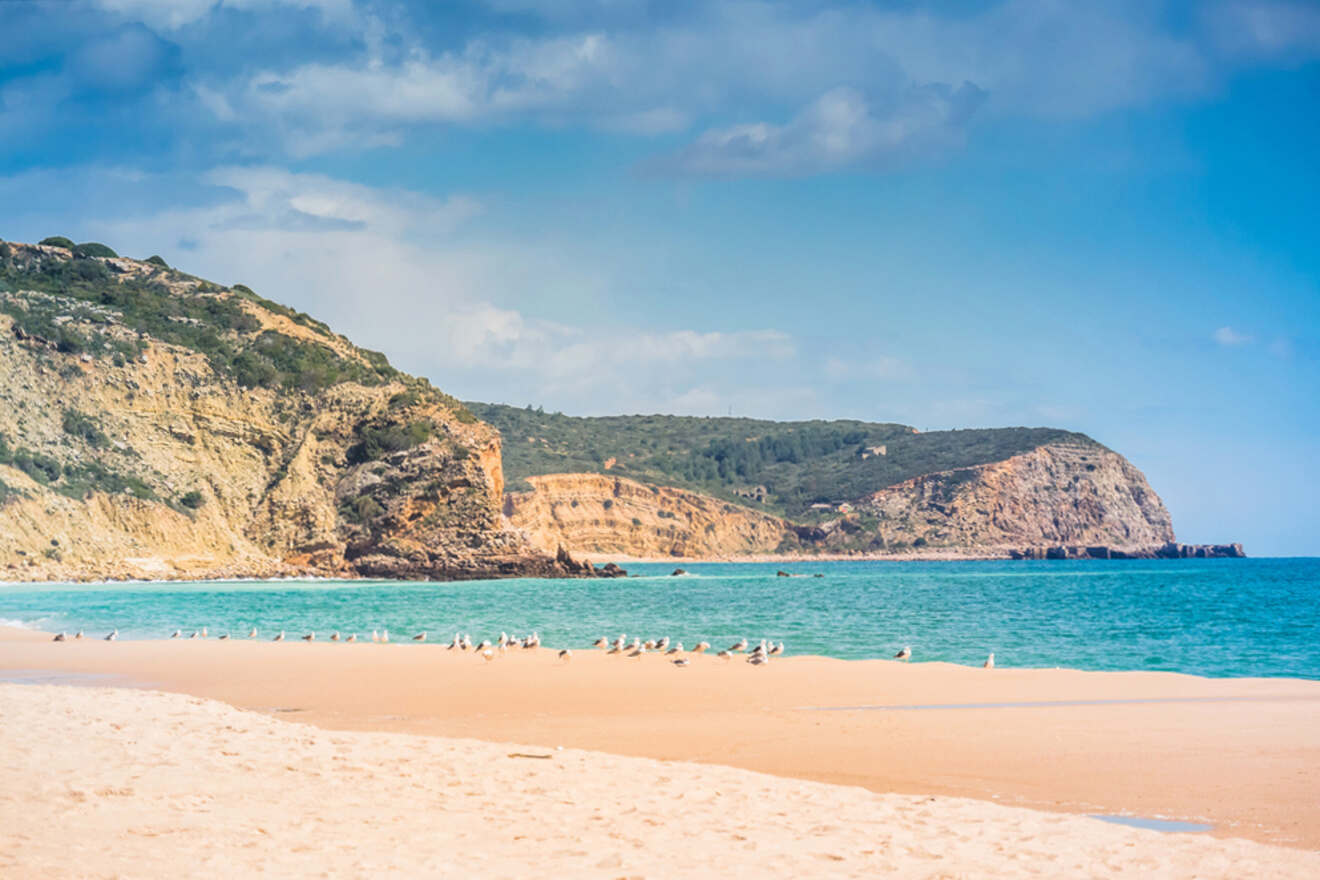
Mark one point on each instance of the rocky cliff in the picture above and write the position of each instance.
(1059, 495)
(153, 425)
(600, 515)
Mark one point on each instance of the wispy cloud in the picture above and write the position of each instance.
(1230, 338)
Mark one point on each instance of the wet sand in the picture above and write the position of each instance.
(1242, 755)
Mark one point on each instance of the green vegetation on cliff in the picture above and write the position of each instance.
(797, 464)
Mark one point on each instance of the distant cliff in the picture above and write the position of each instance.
(157, 425)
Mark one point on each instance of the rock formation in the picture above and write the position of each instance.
(154, 425)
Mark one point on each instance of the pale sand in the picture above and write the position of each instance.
(1242, 755)
(103, 783)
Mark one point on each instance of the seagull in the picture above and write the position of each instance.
(636, 643)
(601, 642)
(990, 661)
(724, 655)
(616, 648)
(701, 647)
(114, 634)
(484, 645)
(420, 637)
(637, 651)
(375, 636)
(59, 637)
(223, 637)
(566, 655)
(532, 641)
(740, 645)
(504, 640)
(677, 649)
(758, 659)
(334, 636)
(351, 638)
(619, 642)
(252, 633)
(196, 634)
(78, 634)
(681, 662)
(649, 644)
(905, 654)
(203, 632)
(384, 637)
(777, 649)
(279, 638)
(488, 654)
(176, 634)
(310, 637)
(663, 644)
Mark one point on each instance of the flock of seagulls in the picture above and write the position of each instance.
(757, 656)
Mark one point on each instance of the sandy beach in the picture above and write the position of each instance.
(870, 741)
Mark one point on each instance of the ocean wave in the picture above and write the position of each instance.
(14, 624)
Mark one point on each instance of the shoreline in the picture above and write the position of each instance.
(1240, 754)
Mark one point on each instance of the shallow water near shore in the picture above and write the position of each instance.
(1234, 617)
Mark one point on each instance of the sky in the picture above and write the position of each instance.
(1097, 216)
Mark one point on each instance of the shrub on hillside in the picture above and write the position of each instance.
(58, 241)
(93, 249)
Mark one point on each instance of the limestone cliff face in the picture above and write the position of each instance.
(592, 514)
(1058, 494)
(125, 455)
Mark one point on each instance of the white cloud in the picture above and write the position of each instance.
(403, 272)
(174, 14)
(1228, 337)
(839, 129)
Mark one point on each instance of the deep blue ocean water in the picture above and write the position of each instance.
(1216, 617)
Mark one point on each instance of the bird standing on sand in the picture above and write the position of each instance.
(488, 654)
(384, 637)
(197, 634)
(252, 633)
(663, 644)
(740, 645)
(701, 647)
(78, 634)
(203, 632)
(420, 637)
(334, 636)
(566, 655)
(758, 659)
(279, 638)
(310, 637)
(990, 661)
(724, 655)
(114, 634)
(351, 638)
(601, 642)
(483, 645)
(176, 634)
(637, 651)
(681, 662)
(224, 637)
(777, 649)
(59, 637)
(677, 649)
(375, 636)
(905, 654)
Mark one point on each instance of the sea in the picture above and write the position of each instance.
(1210, 617)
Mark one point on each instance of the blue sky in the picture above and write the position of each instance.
(1100, 216)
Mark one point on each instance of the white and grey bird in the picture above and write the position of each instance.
(990, 661)
(351, 638)
(78, 634)
(197, 634)
(488, 654)
(621, 641)
(375, 636)
(60, 637)
(384, 637)
(663, 644)
(112, 635)
(334, 636)
(252, 633)
(467, 642)
(176, 634)
(601, 642)
(483, 644)
(649, 644)
(532, 641)
(224, 637)
(681, 662)
(677, 649)
(758, 659)
(204, 632)
(724, 655)
(637, 651)
(776, 649)
(310, 637)
(615, 648)
(740, 645)
(456, 643)
(701, 647)
(504, 640)
(566, 654)
(420, 637)
(905, 654)
(279, 638)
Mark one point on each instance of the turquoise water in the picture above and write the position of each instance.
(1217, 617)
